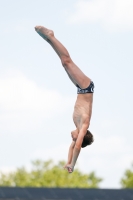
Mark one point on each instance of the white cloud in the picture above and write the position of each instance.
(24, 105)
(113, 15)
(19, 94)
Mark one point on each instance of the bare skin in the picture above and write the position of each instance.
(83, 105)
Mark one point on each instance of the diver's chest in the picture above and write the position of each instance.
(78, 117)
(78, 114)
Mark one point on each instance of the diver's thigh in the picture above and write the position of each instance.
(74, 82)
(77, 75)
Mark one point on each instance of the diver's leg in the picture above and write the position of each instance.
(75, 74)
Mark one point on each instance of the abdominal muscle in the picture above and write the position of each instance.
(82, 110)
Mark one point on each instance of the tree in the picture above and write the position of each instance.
(127, 180)
(46, 174)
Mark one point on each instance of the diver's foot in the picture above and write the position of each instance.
(44, 32)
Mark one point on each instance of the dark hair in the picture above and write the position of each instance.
(88, 139)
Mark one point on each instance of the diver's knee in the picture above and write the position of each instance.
(66, 61)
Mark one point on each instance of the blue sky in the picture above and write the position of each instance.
(37, 97)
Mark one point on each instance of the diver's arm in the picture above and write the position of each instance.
(70, 153)
(77, 146)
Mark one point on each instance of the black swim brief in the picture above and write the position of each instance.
(89, 89)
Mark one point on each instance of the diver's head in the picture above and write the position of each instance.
(88, 139)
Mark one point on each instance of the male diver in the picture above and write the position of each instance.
(81, 136)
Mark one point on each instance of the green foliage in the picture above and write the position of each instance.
(46, 174)
(127, 180)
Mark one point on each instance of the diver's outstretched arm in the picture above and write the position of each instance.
(77, 147)
(70, 154)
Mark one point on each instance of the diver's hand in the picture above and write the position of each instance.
(69, 168)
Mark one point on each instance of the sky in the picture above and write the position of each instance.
(37, 98)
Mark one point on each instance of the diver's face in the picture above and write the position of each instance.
(74, 135)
